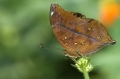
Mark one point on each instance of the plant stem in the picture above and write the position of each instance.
(84, 66)
(86, 75)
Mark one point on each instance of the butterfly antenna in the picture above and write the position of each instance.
(42, 46)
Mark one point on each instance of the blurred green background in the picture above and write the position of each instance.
(24, 24)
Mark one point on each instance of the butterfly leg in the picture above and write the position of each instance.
(73, 58)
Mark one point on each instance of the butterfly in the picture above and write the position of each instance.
(80, 36)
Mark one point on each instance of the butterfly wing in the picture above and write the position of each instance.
(76, 33)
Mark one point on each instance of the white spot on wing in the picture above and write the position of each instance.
(75, 43)
(83, 43)
(65, 37)
(52, 13)
(65, 43)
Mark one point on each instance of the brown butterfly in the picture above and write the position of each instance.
(76, 33)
